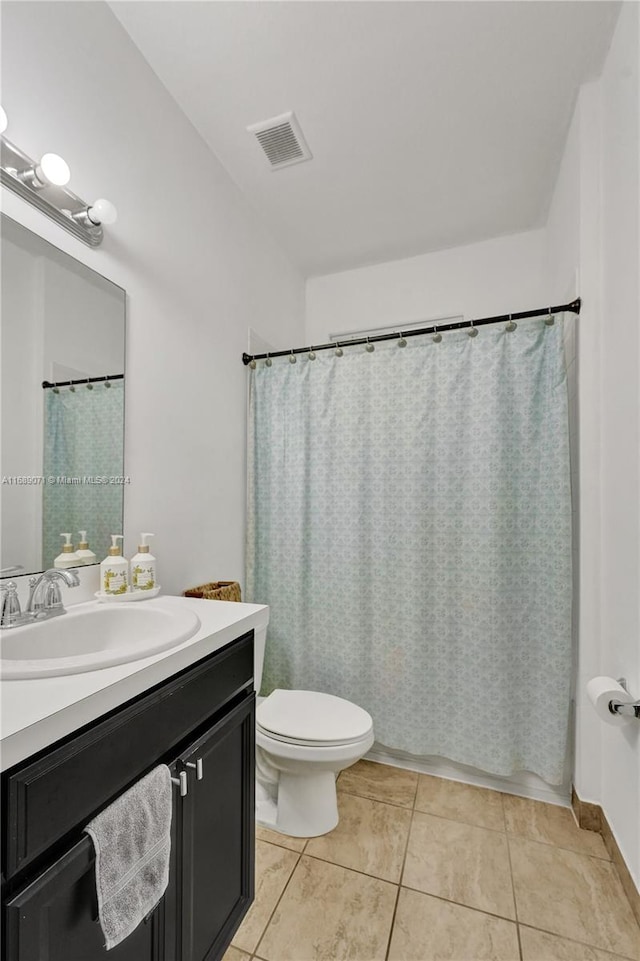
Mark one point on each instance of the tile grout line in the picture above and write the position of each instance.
(399, 885)
(584, 944)
(285, 847)
(345, 867)
(460, 904)
(368, 797)
(560, 847)
(471, 824)
(514, 835)
(275, 908)
(513, 886)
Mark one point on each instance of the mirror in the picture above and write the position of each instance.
(62, 337)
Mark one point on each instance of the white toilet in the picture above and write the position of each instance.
(303, 740)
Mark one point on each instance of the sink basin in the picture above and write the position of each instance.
(92, 636)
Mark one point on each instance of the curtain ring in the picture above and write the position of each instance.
(550, 321)
(89, 386)
(402, 342)
(56, 390)
(72, 388)
(472, 332)
(511, 326)
(292, 358)
(369, 347)
(268, 362)
(339, 351)
(107, 383)
(252, 363)
(437, 336)
(312, 354)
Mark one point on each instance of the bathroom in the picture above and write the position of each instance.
(468, 161)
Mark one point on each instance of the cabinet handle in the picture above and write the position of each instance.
(182, 782)
(197, 766)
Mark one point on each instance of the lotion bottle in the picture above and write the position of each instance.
(68, 558)
(84, 554)
(143, 567)
(114, 570)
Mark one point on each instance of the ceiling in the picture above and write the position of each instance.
(431, 124)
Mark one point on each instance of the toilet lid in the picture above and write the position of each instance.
(312, 717)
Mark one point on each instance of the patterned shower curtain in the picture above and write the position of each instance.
(409, 525)
(82, 442)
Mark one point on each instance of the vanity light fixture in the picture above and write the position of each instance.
(43, 184)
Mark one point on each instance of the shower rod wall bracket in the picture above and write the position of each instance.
(573, 308)
(59, 204)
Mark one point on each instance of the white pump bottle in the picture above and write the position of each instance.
(143, 566)
(114, 570)
(68, 557)
(85, 555)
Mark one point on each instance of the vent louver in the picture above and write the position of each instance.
(282, 140)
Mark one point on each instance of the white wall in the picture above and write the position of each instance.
(593, 232)
(620, 421)
(477, 280)
(197, 264)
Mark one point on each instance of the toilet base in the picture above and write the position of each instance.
(306, 806)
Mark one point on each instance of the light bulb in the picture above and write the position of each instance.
(102, 212)
(52, 169)
(4, 121)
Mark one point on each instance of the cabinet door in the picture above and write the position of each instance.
(55, 917)
(218, 830)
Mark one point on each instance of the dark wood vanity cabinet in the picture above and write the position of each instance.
(202, 724)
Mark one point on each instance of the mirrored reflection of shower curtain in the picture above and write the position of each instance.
(82, 440)
(410, 527)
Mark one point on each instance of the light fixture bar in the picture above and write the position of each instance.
(58, 203)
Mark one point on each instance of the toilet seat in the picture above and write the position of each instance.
(312, 719)
(304, 743)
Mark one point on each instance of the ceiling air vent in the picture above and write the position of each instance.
(282, 140)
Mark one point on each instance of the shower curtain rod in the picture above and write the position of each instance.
(82, 380)
(573, 307)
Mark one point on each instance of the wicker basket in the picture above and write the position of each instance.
(216, 591)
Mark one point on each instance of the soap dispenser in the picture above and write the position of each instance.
(68, 558)
(114, 569)
(143, 567)
(86, 556)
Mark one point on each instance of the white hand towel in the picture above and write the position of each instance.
(132, 840)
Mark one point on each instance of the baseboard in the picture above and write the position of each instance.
(591, 817)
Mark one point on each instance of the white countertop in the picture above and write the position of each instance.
(35, 713)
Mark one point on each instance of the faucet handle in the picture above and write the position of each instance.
(10, 610)
(52, 594)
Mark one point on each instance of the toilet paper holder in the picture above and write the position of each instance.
(626, 710)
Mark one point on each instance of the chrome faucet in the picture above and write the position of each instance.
(45, 597)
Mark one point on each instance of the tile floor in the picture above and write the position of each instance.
(424, 869)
